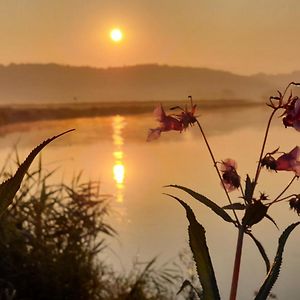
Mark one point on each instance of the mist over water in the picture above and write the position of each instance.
(113, 149)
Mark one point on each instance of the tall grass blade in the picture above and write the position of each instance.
(9, 188)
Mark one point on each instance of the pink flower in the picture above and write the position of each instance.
(289, 161)
(292, 114)
(167, 123)
(230, 177)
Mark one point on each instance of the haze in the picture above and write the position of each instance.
(244, 37)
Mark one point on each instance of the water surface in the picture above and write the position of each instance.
(113, 149)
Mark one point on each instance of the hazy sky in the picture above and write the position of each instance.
(243, 36)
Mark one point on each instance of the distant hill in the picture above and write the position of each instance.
(46, 83)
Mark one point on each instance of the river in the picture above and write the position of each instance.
(114, 150)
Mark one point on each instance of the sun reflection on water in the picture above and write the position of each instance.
(118, 168)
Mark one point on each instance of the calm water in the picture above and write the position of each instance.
(113, 149)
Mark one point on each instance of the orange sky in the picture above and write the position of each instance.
(240, 36)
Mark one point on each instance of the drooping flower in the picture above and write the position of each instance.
(269, 162)
(187, 117)
(292, 114)
(230, 177)
(167, 123)
(289, 161)
(295, 204)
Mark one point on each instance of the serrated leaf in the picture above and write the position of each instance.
(201, 255)
(275, 269)
(204, 200)
(261, 251)
(235, 206)
(249, 190)
(9, 188)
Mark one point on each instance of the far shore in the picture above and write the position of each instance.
(16, 113)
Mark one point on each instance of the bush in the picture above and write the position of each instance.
(50, 238)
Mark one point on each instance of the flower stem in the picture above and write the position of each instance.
(218, 172)
(263, 148)
(286, 188)
(237, 264)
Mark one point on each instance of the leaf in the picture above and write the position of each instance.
(261, 250)
(249, 190)
(201, 255)
(275, 269)
(235, 206)
(204, 200)
(272, 220)
(9, 188)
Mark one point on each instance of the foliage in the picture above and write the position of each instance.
(255, 208)
(49, 239)
(52, 237)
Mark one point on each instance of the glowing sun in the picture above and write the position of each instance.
(116, 35)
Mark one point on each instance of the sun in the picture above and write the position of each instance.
(116, 35)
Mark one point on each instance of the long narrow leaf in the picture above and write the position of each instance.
(204, 200)
(275, 269)
(261, 251)
(235, 206)
(9, 188)
(201, 255)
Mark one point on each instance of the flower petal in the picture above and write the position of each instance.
(153, 134)
(295, 153)
(228, 164)
(159, 113)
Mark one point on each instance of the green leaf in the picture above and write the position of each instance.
(275, 269)
(201, 255)
(9, 188)
(249, 190)
(261, 251)
(235, 206)
(204, 200)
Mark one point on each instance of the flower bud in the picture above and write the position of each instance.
(255, 212)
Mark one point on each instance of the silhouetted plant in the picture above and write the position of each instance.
(255, 207)
(8, 190)
(51, 236)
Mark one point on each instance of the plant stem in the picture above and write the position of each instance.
(237, 264)
(218, 172)
(286, 188)
(263, 147)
